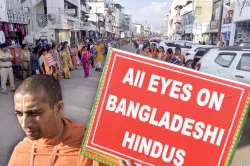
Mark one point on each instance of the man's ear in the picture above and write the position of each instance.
(60, 108)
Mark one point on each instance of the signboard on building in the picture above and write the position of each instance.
(241, 10)
(122, 34)
(179, 115)
(225, 28)
(188, 28)
(214, 24)
(70, 12)
(227, 36)
(3, 11)
(205, 27)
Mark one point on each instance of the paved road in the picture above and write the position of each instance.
(78, 94)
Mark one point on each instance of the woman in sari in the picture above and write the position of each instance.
(85, 61)
(161, 53)
(145, 51)
(73, 54)
(58, 60)
(154, 51)
(66, 62)
(99, 58)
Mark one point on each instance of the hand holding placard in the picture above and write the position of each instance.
(158, 114)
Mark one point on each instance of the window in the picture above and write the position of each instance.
(179, 44)
(170, 44)
(244, 63)
(225, 59)
(198, 10)
(188, 45)
(216, 10)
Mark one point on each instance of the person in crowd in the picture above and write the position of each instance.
(58, 60)
(145, 51)
(66, 63)
(39, 105)
(79, 48)
(42, 53)
(86, 62)
(34, 65)
(204, 43)
(60, 47)
(99, 58)
(25, 60)
(49, 62)
(6, 69)
(154, 51)
(73, 54)
(168, 55)
(241, 44)
(177, 58)
(137, 50)
(161, 53)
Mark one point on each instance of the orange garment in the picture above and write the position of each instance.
(79, 48)
(39, 152)
(154, 53)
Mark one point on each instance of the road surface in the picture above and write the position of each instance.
(78, 94)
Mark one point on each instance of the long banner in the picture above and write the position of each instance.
(155, 113)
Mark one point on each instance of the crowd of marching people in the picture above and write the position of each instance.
(151, 51)
(61, 60)
(53, 59)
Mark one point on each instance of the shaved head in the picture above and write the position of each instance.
(45, 85)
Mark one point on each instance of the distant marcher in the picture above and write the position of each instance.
(99, 58)
(73, 54)
(25, 60)
(66, 63)
(161, 53)
(177, 57)
(168, 55)
(204, 43)
(145, 51)
(86, 61)
(137, 50)
(154, 51)
(34, 64)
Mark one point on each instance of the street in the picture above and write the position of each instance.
(78, 94)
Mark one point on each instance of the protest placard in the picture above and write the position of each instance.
(155, 113)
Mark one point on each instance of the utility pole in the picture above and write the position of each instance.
(220, 21)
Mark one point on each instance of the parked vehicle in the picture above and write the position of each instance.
(157, 45)
(184, 45)
(189, 56)
(230, 62)
(199, 54)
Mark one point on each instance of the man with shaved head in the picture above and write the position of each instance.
(51, 138)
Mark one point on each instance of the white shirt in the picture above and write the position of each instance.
(2, 37)
(5, 55)
(241, 45)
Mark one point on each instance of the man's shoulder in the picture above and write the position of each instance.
(74, 130)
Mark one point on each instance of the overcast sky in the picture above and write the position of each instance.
(150, 11)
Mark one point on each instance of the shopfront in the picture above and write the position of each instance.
(15, 26)
(240, 27)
